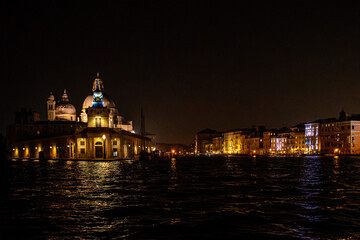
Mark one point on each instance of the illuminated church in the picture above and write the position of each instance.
(98, 133)
(65, 111)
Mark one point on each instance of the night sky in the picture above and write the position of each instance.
(190, 64)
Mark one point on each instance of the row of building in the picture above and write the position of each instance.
(325, 136)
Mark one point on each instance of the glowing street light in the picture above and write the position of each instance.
(104, 137)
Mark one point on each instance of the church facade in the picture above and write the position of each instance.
(99, 133)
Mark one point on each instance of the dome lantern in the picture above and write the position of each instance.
(51, 97)
(65, 97)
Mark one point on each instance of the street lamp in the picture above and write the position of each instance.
(104, 137)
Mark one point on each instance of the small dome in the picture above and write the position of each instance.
(108, 102)
(51, 96)
(65, 108)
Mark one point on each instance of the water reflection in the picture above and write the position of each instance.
(337, 194)
(310, 181)
(336, 169)
(173, 176)
(230, 198)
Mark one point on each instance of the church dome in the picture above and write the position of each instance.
(108, 102)
(65, 108)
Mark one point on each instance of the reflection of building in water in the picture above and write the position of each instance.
(101, 134)
(310, 188)
(173, 175)
(337, 194)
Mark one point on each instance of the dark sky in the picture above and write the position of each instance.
(190, 64)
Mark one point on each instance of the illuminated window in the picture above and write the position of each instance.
(115, 152)
(82, 143)
(98, 122)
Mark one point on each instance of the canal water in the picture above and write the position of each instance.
(203, 198)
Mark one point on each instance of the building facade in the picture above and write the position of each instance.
(340, 138)
(233, 142)
(62, 137)
(312, 142)
(204, 139)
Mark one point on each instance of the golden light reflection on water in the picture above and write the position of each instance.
(129, 161)
(175, 220)
(235, 209)
(336, 168)
(90, 186)
(233, 167)
(337, 196)
(173, 179)
(92, 199)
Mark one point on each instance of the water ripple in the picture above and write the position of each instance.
(212, 198)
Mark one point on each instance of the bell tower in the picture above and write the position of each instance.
(51, 107)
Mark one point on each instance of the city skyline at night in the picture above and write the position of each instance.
(180, 119)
